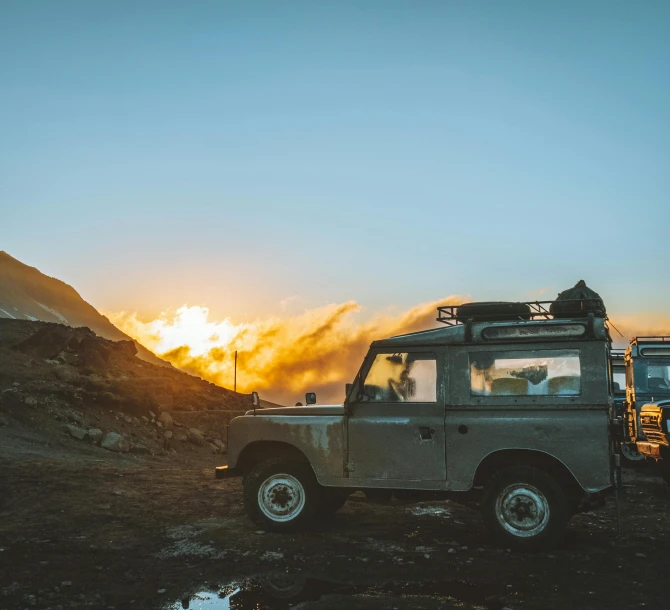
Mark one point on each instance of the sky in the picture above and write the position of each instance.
(262, 158)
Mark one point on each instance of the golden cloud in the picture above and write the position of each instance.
(281, 358)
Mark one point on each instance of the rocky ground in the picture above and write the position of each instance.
(150, 532)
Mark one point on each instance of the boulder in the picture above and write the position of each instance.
(31, 401)
(115, 442)
(168, 434)
(196, 437)
(66, 373)
(166, 419)
(76, 431)
(220, 444)
(94, 435)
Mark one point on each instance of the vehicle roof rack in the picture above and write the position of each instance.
(653, 338)
(539, 310)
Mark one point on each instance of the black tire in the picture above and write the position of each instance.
(525, 508)
(628, 457)
(331, 500)
(493, 311)
(289, 490)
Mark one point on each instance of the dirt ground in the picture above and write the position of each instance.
(125, 531)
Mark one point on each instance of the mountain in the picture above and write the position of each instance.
(27, 294)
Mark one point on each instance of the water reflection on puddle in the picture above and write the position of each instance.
(282, 590)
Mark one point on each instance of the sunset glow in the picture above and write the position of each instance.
(317, 351)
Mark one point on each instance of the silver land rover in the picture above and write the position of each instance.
(506, 406)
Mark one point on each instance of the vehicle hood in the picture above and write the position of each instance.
(310, 410)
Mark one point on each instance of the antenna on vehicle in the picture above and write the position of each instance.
(609, 320)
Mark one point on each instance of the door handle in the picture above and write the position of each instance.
(426, 433)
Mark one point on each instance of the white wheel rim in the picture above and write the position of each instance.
(630, 452)
(522, 510)
(281, 497)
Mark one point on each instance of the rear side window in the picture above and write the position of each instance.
(537, 373)
(402, 377)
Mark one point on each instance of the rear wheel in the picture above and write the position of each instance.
(525, 508)
(281, 494)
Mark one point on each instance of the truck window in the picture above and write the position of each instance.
(658, 377)
(538, 373)
(619, 379)
(402, 377)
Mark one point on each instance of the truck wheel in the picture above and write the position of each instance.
(281, 494)
(525, 508)
(630, 456)
(330, 501)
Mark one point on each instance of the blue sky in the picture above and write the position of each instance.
(235, 154)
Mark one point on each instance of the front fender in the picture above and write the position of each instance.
(319, 438)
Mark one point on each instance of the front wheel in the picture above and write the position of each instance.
(525, 508)
(630, 456)
(281, 494)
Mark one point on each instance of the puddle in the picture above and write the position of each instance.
(282, 590)
(433, 511)
(277, 590)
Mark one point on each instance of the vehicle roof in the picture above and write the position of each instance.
(649, 347)
(534, 331)
(651, 340)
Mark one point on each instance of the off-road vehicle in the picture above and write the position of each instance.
(648, 397)
(507, 406)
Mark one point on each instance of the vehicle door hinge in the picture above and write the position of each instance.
(349, 467)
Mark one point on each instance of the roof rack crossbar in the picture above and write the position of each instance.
(539, 310)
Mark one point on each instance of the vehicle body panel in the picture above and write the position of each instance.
(573, 429)
(320, 438)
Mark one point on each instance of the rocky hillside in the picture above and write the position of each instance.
(28, 294)
(57, 381)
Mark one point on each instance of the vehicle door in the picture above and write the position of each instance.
(396, 423)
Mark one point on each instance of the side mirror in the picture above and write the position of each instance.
(310, 398)
(255, 400)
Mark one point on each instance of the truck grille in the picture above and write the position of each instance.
(654, 434)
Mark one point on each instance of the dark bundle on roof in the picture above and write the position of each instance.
(578, 301)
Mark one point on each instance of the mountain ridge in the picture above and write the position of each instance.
(28, 294)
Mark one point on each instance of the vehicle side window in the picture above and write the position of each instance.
(539, 373)
(619, 380)
(402, 377)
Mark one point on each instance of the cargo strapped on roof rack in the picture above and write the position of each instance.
(452, 315)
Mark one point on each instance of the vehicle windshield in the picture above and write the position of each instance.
(402, 377)
(658, 376)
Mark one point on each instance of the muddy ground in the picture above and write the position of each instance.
(96, 530)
